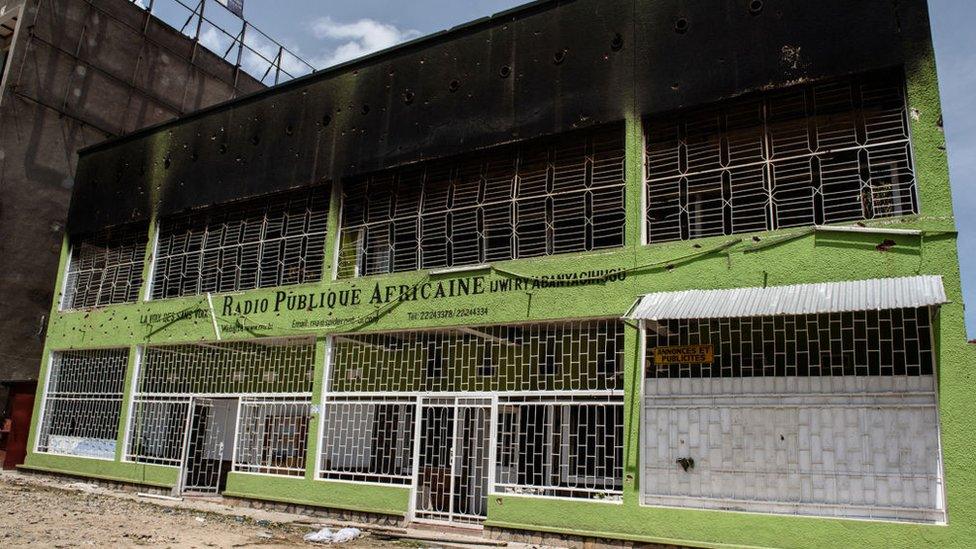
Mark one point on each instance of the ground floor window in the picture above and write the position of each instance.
(82, 403)
(825, 414)
(215, 407)
(459, 413)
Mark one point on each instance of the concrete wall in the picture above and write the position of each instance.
(844, 446)
(79, 72)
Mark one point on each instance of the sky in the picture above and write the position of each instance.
(326, 32)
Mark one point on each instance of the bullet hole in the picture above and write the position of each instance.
(454, 86)
(939, 122)
(675, 86)
(505, 71)
(407, 96)
(885, 245)
(289, 130)
(498, 501)
(617, 43)
(696, 246)
(781, 437)
(559, 57)
(326, 120)
(669, 267)
(756, 7)
(255, 139)
(365, 109)
(166, 162)
(223, 148)
(681, 25)
(756, 239)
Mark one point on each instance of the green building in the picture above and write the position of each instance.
(680, 272)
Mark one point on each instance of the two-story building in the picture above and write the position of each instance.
(680, 272)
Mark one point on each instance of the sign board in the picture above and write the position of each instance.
(684, 354)
(234, 6)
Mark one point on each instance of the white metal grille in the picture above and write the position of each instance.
(157, 429)
(561, 446)
(558, 430)
(559, 356)
(813, 154)
(273, 377)
(106, 267)
(272, 434)
(526, 200)
(82, 402)
(861, 343)
(260, 243)
(265, 366)
(368, 439)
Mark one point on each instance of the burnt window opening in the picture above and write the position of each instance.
(265, 242)
(886, 342)
(537, 198)
(105, 268)
(827, 152)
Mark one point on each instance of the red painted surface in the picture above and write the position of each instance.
(21, 409)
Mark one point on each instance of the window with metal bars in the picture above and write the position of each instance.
(561, 446)
(82, 402)
(859, 343)
(374, 382)
(272, 376)
(105, 267)
(271, 435)
(826, 152)
(536, 198)
(265, 242)
(557, 356)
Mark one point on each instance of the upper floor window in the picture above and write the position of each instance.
(258, 243)
(105, 267)
(540, 197)
(818, 153)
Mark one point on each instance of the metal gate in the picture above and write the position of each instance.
(454, 458)
(206, 458)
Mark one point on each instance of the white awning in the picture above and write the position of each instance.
(826, 297)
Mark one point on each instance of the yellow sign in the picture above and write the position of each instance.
(684, 354)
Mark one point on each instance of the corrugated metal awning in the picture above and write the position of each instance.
(825, 297)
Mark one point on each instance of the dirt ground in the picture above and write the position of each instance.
(47, 516)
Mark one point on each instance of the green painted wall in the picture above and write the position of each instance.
(774, 258)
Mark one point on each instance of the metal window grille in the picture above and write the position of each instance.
(558, 356)
(820, 153)
(273, 377)
(157, 430)
(260, 243)
(526, 200)
(562, 381)
(82, 402)
(272, 434)
(263, 366)
(368, 439)
(860, 343)
(106, 267)
(561, 446)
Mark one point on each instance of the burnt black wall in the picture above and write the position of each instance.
(540, 69)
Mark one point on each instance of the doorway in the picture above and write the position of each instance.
(454, 460)
(208, 452)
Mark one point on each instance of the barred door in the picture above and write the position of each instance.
(454, 459)
(207, 456)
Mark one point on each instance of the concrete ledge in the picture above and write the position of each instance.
(119, 482)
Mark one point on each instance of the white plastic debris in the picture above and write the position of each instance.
(326, 535)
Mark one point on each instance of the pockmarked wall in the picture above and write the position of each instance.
(599, 284)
